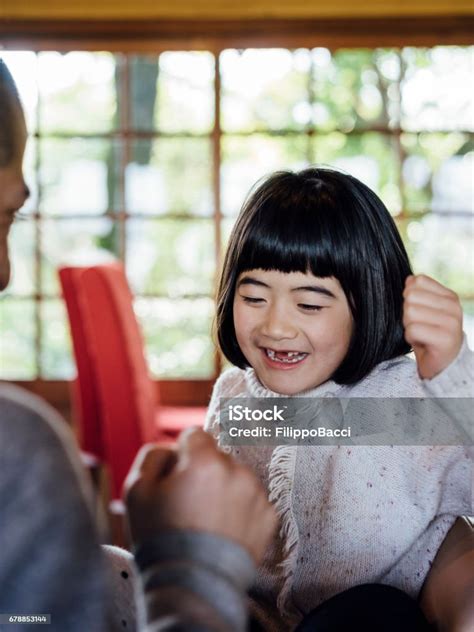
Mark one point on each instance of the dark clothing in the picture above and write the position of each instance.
(369, 607)
(50, 558)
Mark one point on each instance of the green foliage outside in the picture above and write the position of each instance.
(279, 110)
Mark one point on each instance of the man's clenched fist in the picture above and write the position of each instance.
(197, 487)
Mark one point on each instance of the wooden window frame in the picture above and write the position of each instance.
(141, 36)
(155, 36)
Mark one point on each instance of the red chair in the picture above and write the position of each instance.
(109, 336)
(84, 392)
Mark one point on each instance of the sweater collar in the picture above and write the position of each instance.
(257, 389)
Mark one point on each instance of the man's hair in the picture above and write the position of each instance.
(332, 225)
(9, 106)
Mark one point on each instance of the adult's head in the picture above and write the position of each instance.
(13, 190)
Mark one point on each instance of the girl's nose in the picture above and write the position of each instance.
(277, 325)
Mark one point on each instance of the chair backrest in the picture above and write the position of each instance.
(84, 391)
(126, 393)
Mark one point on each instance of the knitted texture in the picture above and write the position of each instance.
(351, 515)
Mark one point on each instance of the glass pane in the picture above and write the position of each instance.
(173, 257)
(178, 336)
(437, 172)
(22, 256)
(77, 92)
(23, 67)
(355, 88)
(173, 93)
(170, 176)
(56, 354)
(143, 91)
(437, 88)
(370, 157)
(246, 160)
(265, 89)
(17, 342)
(78, 176)
(74, 242)
(441, 247)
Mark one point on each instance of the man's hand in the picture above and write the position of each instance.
(196, 486)
(432, 317)
(446, 596)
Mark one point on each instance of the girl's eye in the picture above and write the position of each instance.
(310, 308)
(252, 300)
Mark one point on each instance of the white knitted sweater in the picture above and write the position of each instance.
(359, 514)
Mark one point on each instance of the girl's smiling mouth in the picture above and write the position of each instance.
(283, 359)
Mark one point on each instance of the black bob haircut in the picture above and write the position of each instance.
(331, 224)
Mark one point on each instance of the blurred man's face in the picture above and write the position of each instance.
(13, 193)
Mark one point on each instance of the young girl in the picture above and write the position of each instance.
(317, 299)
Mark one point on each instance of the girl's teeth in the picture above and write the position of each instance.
(292, 357)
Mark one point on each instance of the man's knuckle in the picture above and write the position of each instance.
(214, 464)
(247, 478)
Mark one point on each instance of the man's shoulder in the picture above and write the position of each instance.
(23, 412)
(21, 398)
(30, 429)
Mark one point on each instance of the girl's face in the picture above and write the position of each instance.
(294, 329)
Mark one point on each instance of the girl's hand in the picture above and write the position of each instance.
(432, 317)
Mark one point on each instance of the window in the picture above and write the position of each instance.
(149, 157)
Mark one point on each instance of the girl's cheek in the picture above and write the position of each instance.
(239, 322)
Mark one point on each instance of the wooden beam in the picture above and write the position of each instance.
(172, 392)
(155, 35)
(218, 9)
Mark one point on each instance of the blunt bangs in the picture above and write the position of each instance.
(332, 225)
(288, 236)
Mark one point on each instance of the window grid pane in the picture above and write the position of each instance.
(128, 157)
